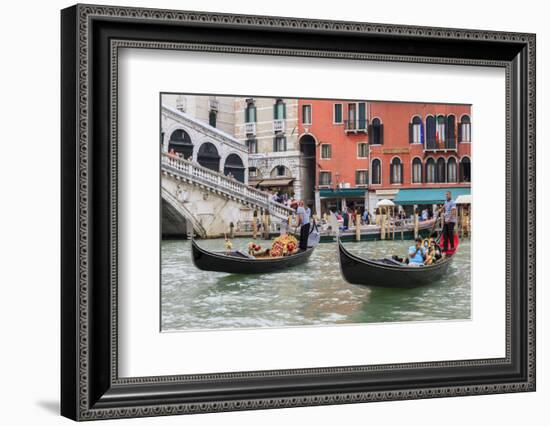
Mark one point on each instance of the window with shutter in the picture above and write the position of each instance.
(465, 170)
(417, 171)
(250, 113)
(450, 142)
(361, 177)
(279, 143)
(396, 172)
(430, 170)
(376, 172)
(362, 150)
(325, 178)
(212, 118)
(376, 132)
(440, 170)
(465, 134)
(440, 131)
(279, 110)
(252, 146)
(338, 113)
(325, 151)
(451, 170)
(430, 132)
(362, 120)
(415, 130)
(306, 114)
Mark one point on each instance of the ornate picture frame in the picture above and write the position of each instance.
(90, 39)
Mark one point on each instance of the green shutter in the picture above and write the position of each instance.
(337, 113)
(362, 115)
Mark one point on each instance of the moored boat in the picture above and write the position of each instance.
(238, 262)
(389, 273)
(374, 233)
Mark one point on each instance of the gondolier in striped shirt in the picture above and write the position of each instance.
(303, 221)
(449, 221)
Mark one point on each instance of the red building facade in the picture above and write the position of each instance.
(371, 150)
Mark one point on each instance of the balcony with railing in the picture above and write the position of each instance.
(250, 128)
(356, 126)
(278, 125)
(437, 145)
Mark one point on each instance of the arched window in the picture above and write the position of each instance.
(417, 170)
(465, 129)
(415, 130)
(208, 156)
(376, 132)
(250, 112)
(376, 172)
(280, 171)
(451, 170)
(430, 170)
(279, 110)
(450, 142)
(430, 132)
(212, 116)
(440, 171)
(180, 142)
(465, 170)
(234, 167)
(396, 171)
(440, 130)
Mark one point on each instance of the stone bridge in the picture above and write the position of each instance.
(196, 198)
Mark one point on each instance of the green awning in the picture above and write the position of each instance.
(427, 195)
(342, 192)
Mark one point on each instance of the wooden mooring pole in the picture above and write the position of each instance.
(357, 227)
(266, 225)
(415, 225)
(255, 224)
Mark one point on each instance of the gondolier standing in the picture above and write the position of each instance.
(303, 221)
(449, 220)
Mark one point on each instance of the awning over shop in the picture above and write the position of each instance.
(407, 197)
(342, 193)
(271, 183)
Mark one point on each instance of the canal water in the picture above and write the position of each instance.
(310, 294)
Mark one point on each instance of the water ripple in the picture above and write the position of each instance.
(312, 294)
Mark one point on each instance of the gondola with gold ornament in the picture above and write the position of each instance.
(283, 254)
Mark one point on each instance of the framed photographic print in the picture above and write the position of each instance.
(263, 212)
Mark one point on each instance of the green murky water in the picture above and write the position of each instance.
(311, 294)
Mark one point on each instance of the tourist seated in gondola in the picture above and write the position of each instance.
(433, 253)
(417, 253)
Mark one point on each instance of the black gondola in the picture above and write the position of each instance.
(389, 273)
(237, 262)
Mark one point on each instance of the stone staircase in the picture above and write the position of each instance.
(215, 182)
